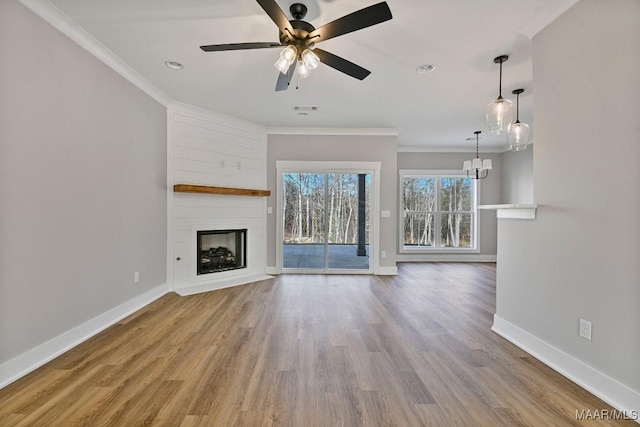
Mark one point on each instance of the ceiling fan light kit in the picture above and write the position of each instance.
(310, 59)
(300, 37)
(303, 70)
(499, 112)
(287, 56)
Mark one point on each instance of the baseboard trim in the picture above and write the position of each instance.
(222, 284)
(30, 360)
(599, 384)
(386, 271)
(445, 258)
(381, 271)
(273, 270)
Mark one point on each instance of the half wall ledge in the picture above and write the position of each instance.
(227, 191)
(512, 211)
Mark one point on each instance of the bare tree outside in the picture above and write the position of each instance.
(428, 201)
(305, 214)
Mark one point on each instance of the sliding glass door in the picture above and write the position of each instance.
(326, 221)
(304, 225)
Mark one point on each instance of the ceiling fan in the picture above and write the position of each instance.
(299, 39)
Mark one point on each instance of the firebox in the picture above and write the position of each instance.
(221, 250)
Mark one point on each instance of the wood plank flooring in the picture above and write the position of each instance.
(307, 350)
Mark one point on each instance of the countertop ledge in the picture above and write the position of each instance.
(513, 211)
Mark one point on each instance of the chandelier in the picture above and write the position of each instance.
(477, 168)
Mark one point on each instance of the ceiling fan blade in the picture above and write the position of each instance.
(285, 79)
(276, 14)
(342, 64)
(238, 46)
(358, 20)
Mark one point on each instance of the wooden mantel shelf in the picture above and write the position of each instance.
(227, 191)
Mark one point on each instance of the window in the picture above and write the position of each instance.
(439, 211)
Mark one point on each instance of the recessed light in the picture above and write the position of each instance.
(174, 65)
(424, 69)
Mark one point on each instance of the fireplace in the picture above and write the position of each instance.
(221, 250)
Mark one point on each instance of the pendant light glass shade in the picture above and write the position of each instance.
(518, 135)
(500, 112)
(499, 116)
(287, 56)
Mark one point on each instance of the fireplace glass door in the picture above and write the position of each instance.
(221, 250)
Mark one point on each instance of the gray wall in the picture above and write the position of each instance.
(82, 185)
(490, 193)
(579, 257)
(517, 176)
(338, 148)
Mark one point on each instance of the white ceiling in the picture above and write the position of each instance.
(436, 111)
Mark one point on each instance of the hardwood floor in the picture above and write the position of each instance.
(410, 350)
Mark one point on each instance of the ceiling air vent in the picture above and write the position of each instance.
(305, 108)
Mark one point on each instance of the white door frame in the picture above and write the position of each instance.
(287, 166)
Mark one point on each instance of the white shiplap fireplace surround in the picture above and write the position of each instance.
(209, 149)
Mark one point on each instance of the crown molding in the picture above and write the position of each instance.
(447, 149)
(67, 26)
(333, 131)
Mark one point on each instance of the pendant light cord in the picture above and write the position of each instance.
(517, 93)
(500, 84)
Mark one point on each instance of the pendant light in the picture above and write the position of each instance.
(500, 111)
(477, 168)
(518, 134)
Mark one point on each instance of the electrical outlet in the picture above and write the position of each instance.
(585, 329)
(383, 254)
(136, 277)
(269, 210)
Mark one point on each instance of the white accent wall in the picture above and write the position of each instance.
(580, 257)
(206, 148)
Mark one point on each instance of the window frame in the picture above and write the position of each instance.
(437, 175)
